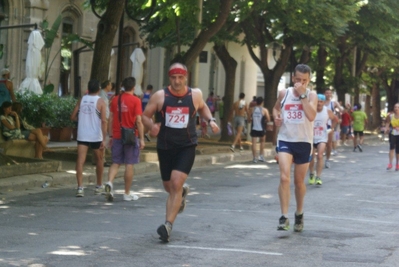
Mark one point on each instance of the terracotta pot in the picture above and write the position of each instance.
(61, 134)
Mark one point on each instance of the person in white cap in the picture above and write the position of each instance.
(6, 87)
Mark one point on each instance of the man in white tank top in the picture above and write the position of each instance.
(294, 112)
(90, 112)
(320, 137)
(259, 117)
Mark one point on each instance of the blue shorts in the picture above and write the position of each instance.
(301, 151)
(125, 154)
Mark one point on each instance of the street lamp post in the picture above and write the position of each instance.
(120, 35)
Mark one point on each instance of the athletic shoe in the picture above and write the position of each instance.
(80, 192)
(109, 195)
(164, 231)
(261, 159)
(241, 148)
(354, 149)
(130, 197)
(311, 179)
(99, 190)
(360, 148)
(254, 160)
(327, 164)
(298, 226)
(389, 166)
(318, 181)
(232, 148)
(283, 224)
(334, 153)
(186, 189)
(397, 167)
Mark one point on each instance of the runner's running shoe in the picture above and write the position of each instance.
(389, 166)
(360, 148)
(186, 189)
(80, 192)
(311, 179)
(109, 195)
(298, 226)
(164, 231)
(397, 167)
(318, 181)
(283, 224)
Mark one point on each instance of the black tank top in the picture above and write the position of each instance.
(178, 121)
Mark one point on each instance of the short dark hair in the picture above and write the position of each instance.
(150, 87)
(105, 83)
(259, 100)
(302, 68)
(6, 104)
(241, 96)
(93, 86)
(129, 83)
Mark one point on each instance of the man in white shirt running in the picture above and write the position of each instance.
(294, 112)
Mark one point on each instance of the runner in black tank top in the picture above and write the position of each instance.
(175, 112)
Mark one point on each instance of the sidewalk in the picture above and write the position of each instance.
(209, 152)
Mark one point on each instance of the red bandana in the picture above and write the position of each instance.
(175, 71)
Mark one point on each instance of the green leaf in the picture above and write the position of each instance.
(52, 33)
(48, 89)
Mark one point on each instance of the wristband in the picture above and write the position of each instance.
(213, 119)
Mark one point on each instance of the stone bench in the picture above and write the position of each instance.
(17, 147)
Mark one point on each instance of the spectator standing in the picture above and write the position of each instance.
(129, 155)
(90, 112)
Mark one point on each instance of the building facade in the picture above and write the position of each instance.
(70, 72)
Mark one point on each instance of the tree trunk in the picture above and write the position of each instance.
(230, 67)
(339, 83)
(320, 69)
(106, 30)
(376, 106)
(205, 35)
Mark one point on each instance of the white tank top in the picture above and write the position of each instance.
(296, 127)
(320, 126)
(89, 120)
(257, 119)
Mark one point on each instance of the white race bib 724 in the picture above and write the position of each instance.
(177, 117)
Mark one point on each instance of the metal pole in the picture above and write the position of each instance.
(19, 26)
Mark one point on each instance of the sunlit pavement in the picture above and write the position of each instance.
(230, 220)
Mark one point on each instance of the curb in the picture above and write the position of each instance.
(53, 179)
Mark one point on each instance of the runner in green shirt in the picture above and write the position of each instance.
(359, 119)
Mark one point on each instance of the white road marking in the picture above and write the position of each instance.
(379, 202)
(229, 250)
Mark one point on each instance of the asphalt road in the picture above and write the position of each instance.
(230, 220)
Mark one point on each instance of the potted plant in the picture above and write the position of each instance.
(36, 109)
(61, 125)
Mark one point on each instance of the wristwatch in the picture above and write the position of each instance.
(303, 96)
(213, 119)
